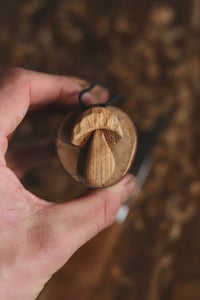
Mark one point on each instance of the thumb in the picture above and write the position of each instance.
(78, 221)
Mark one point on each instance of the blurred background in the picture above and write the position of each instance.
(149, 51)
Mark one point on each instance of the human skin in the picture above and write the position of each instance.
(38, 237)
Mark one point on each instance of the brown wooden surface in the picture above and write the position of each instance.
(75, 159)
(155, 63)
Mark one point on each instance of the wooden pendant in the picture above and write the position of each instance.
(97, 146)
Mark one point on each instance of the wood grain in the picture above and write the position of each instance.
(94, 119)
(104, 130)
(100, 163)
(76, 159)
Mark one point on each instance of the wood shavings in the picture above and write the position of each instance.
(162, 16)
(147, 52)
(159, 272)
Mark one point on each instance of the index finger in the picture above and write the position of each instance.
(22, 88)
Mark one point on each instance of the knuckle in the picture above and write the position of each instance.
(110, 207)
(3, 145)
(107, 216)
(13, 76)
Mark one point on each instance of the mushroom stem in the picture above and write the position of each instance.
(100, 163)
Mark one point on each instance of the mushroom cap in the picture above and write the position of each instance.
(94, 119)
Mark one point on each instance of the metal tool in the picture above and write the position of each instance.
(143, 161)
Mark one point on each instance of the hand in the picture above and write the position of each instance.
(38, 237)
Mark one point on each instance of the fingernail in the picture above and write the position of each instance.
(96, 95)
(129, 186)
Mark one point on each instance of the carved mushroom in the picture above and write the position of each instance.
(103, 130)
(96, 147)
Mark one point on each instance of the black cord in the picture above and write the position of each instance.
(107, 103)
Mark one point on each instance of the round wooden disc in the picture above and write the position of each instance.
(73, 158)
